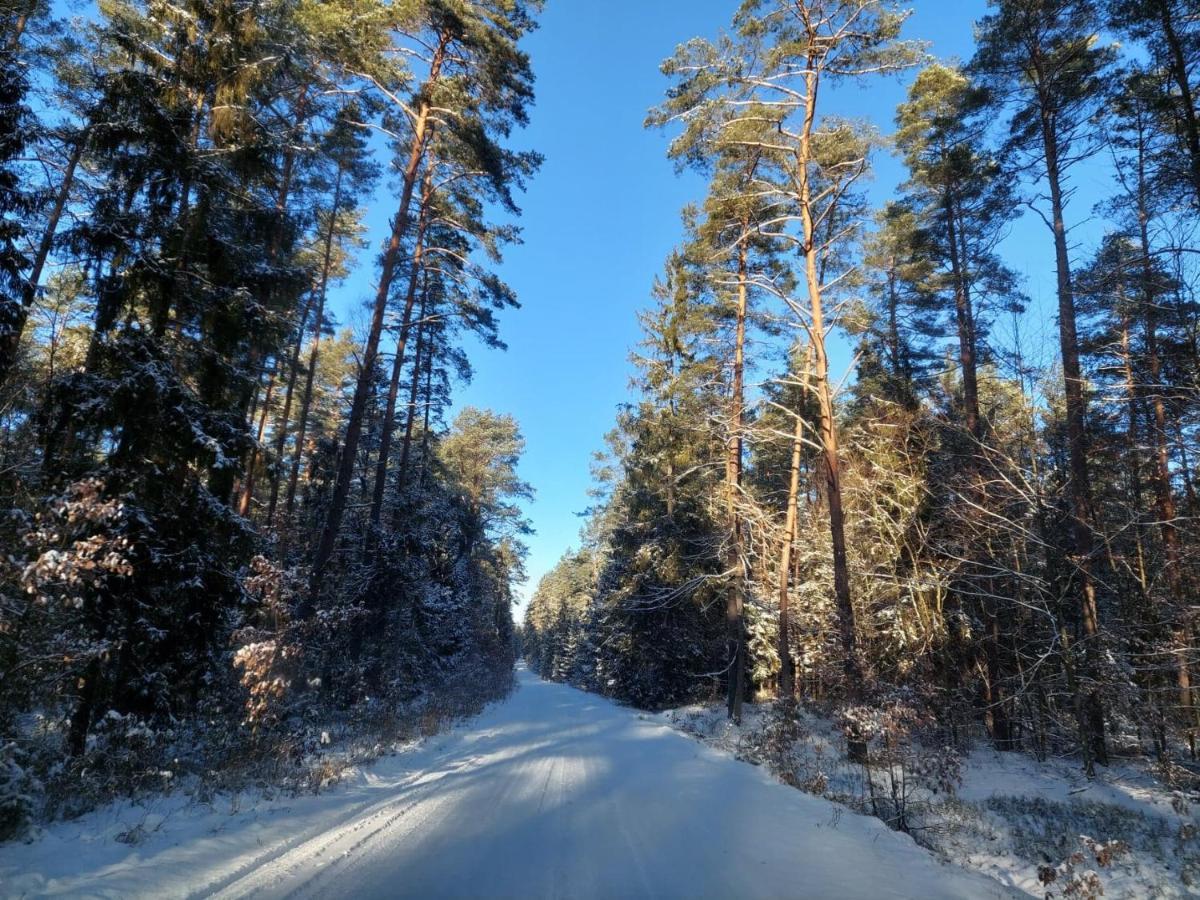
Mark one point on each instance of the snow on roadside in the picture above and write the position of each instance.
(1012, 817)
(122, 849)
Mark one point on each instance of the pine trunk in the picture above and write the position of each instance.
(247, 492)
(787, 672)
(1089, 705)
(1178, 67)
(414, 390)
(337, 506)
(410, 299)
(855, 677)
(735, 563)
(314, 353)
(12, 326)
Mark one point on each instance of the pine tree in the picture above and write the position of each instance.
(1043, 57)
(783, 55)
(16, 203)
(965, 204)
(1169, 30)
(476, 68)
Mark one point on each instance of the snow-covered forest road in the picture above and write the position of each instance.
(552, 793)
(557, 793)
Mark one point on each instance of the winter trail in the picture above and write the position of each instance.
(557, 793)
(560, 794)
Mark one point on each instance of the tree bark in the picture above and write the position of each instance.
(1089, 705)
(19, 26)
(413, 393)
(13, 330)
(964, 314)
(337, 505)
(281, 428)
(735, 602)
(1182, 627)
(428, 414)
(787, 672)
(1178, 67)
(389, 416)
(855, 677)
(247, 493)
(314, 352)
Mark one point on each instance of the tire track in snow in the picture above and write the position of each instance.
(268, 870)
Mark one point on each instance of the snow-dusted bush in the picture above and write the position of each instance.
(19, 792)
(907, 763)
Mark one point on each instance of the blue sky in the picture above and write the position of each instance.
(601, 217)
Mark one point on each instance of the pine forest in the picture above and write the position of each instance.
(883, 498)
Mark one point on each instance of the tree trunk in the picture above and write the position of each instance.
(1182, 628)
(1178, 67)
(1185, 468)
(85, 706)
(855, 677)
(247, 494)
(410, 299)
(1089, 705)
(281, 429)
(19, 26)
(315, 352)
(999, 723)
(735, 602)
(12, 326)
(345, 475)
(413, 394)
(428, 413)
(1133, 440)
(787, 670)
(964, 314)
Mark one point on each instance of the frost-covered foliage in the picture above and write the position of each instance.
(1036, 825)
(636, 614)
(19, 793)
(1008, 534)
(93, 700)
(228, 530)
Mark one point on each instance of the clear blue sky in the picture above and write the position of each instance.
(601, 217)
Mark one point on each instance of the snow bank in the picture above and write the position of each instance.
(1010, 817)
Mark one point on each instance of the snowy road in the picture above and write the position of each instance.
(552, 794)
(557, 793)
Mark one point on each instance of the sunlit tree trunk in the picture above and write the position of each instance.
(827, 420)
(736, 565)
(787, 672)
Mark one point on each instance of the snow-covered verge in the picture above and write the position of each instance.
(1040, 827)
(206, 837)
(129, 761)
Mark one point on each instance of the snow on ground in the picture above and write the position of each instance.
(553, 793)
(1010, 815)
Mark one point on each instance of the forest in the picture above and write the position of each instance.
(984, 535)
(230, 522)
(873, 491)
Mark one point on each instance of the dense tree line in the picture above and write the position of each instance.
(228, 522)
(1004, 534)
